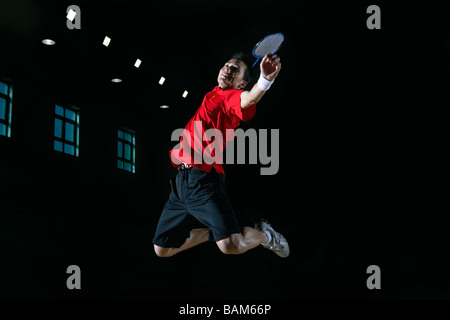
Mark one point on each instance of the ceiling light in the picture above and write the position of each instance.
(48, 42)
(161, 81)
(71, 15)
(185, 93)
(116, 80)
(106, 41)
(137, 63)
(164, 106)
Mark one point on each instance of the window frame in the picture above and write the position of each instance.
(8, 97)
(121, 159)
(64, 121)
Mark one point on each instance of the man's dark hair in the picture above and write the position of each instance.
(245, 58)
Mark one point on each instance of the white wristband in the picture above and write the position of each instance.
(264, 84)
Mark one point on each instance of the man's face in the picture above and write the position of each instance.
(231, 76)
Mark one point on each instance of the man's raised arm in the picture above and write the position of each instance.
(270, 67)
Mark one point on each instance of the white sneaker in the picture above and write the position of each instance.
(278, 243)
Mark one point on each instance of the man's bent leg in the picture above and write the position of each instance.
(239, 243)
(196, 237)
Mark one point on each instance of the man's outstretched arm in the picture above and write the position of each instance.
(270, 67)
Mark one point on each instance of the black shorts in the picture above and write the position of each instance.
(196, 196)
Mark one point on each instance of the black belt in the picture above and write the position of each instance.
(184, 166)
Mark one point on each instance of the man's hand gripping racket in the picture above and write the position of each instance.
(270, 64)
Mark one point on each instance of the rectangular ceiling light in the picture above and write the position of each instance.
(161, 81)
(71, 15)
(138, 63)
(185, 93)
(106, 41)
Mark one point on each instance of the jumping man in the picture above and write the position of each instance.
(198, 191)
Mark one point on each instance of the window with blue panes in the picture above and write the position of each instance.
(5, 108)
(67, 127)
(126, 149)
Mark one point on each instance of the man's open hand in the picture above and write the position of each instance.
(270, 66)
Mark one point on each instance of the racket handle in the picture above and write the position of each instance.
(256, 62)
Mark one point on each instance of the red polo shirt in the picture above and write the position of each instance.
(220, 110)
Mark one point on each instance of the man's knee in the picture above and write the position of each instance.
(228, 246)
(163, 252)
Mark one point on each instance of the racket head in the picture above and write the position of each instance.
(268, 45)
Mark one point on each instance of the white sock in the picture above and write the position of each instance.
(269, 236)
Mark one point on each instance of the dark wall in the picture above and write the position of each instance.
(354, 186)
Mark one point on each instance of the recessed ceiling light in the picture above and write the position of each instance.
(106, 41)
(71, 15)
(164, 106)
(137, 63)
(161, 81)
(48, 42)
(116, 80)
(185, 93)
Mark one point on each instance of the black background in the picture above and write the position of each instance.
(360, 177)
